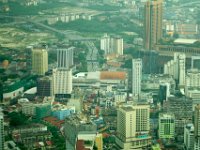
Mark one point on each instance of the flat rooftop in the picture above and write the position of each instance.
(185, 41)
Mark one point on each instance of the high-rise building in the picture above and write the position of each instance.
(39, 61)
(152, 23)
(136, 76)
(133, 127)
(45, 86)
(176, 68)
(166, 126)
(117, 45)
(112, 45)
(65, 57)
(62, 82)
(1, 130)
(189, 136)
(105, 44)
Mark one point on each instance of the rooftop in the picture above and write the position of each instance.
(185, 41)
(128, 108)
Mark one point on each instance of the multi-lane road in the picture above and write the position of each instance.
(92, 57)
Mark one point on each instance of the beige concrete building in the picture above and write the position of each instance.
(133, 127)
(39, 61)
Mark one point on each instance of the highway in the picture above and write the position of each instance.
(92, 60)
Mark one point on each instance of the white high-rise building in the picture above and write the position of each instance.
(166, 126)
(117, 46)
(176, 68)
(136, 76)
(62, 81)
(189, 136)
(112, 45)
(133, 127)
(1, 130)
(39, 61)
(181, 62)
(105, 44)
(65, 57)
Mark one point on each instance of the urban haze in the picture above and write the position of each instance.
(99, 74)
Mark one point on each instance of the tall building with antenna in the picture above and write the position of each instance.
(152, 23)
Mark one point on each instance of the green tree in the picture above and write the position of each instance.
(17, 119)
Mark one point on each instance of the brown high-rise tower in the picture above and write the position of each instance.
(152, 23)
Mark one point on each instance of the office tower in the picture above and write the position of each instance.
(164, 92)
(117, 45)
(1, 130)
(45, 86)
(181, 68)
(166, 126)
(105, 44)
(62, 82)
(136, 76)
(133, 127)
(28, 53)
(65, 57)
(189, 136)
(39, 61)
(176, 68)
(152, 23)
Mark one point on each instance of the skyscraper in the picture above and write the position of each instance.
(152, 23)
(62, 75)
(39, 61)
(136, 76)
(65, 57)
(62, 82)
(117, 45)
(133, 127)
(105, 44)
(176, 68)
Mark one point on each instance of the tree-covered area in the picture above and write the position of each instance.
(58, 139)
(111, 25)
(17, 9)
(104, 7)
(17, 119)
